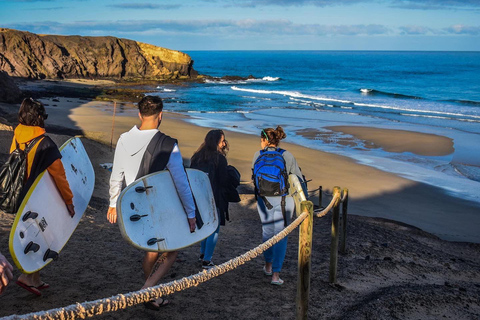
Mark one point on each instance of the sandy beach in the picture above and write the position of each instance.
(391, 269)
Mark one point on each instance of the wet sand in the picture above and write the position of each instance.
(400, 140)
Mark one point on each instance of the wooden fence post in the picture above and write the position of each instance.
(320, 194)
(304, 260)
(334, 238)
(343, 243)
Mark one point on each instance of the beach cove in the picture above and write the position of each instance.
(385, 260)
(373, 192)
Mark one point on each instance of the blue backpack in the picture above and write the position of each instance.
(270, 173)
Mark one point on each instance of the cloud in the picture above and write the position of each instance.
(212, 27)
(48, 9)
(288, 3)
(145, 6)
(461, 29)
(435, 4)
(403, 4)
(414, 30)
(30, 0)
(234, 28)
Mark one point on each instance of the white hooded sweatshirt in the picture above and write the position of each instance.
(128, 155)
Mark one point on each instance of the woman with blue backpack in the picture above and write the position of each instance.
(271, 167)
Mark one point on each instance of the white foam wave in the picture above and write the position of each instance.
(295, 94)
(415, 110)
(438, 117)
(218, 112)
(225, 81)
(257, 98)
(267, 78)
(308, 102)
(366, 90)
(298, 95)
(165, 89)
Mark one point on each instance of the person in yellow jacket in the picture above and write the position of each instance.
(44, 155)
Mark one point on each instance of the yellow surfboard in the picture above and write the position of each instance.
(42, 225)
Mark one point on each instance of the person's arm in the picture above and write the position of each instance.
(6, 273)
(179, 177)
(255, 156)
(116, 182)
(292, 165)
(57, 171)
(222, 172)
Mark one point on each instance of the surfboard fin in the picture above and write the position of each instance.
(29, 215)
(152, 241)
(137, 217)
(50, 254)
(31, 246)
(142, 189)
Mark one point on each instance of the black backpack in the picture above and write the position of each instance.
(13, 176)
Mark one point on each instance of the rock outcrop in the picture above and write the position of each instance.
(9, 91)
(28, 55)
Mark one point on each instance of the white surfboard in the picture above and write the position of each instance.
(42, 225)
(151, 216)
(296, 191)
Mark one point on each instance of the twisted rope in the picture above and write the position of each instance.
(334, 202)
(122, 301)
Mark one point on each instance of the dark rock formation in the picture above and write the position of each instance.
(28, 55)
(9, 91)
(229, 78)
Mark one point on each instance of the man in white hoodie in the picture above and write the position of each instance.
(131, 147)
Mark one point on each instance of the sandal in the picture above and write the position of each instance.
(155, 305)
(279, 282)
(265, 272)
(44, 285)
(31, 289)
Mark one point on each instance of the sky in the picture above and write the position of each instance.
(259, 24)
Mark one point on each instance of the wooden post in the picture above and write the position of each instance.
(343, 243)
(113, 123)
(320, 193)
(304, 260)
(334, 238)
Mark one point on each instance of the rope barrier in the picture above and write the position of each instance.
(122, 301)
(333, 202)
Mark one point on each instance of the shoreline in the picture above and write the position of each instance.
(373, 192)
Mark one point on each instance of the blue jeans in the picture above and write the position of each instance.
(273, 223)
(207, 246)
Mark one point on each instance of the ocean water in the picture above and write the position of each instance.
(430, 92)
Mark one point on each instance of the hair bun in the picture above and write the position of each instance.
(279, 133)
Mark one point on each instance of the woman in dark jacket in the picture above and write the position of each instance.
(210, 158)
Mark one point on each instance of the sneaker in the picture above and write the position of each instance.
(207, 264)
(201, 257)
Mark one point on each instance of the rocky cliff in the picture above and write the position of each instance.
(29, 55)
(9, 91)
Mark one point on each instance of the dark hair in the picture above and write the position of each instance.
(150, 105)
(208, 150)
(273, 136)
(32, 113)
